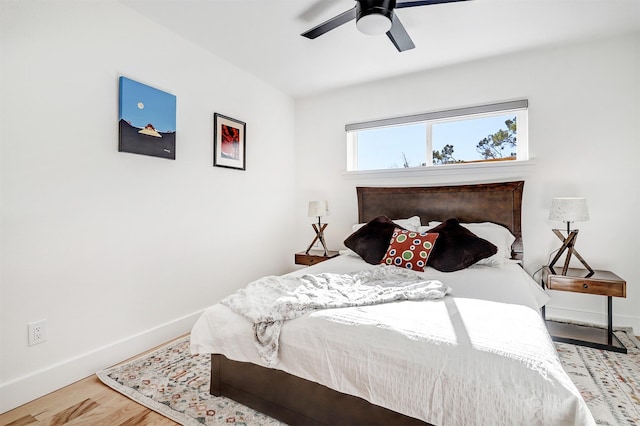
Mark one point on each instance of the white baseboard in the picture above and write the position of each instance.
(39, 383)
(594, 318)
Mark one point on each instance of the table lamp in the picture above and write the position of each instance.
(568, 209)
(318, 209)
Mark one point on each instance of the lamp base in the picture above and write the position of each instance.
(319, 228)
(568, 243)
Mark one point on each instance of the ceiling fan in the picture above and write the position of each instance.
(376, 17)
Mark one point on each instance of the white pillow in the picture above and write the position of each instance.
(411, 224)
(496, 234)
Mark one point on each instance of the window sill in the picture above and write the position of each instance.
(444, 170)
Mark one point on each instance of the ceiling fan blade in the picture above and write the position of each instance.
(413, 3)
(399, 36)
(331, 24)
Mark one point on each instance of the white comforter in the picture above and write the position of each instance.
(481, 356)
(272, 300)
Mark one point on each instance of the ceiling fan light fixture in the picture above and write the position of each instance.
(374, 17)
(373, 24)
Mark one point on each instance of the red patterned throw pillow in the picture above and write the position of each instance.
(409, 249)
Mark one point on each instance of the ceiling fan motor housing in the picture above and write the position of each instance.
(374, 16)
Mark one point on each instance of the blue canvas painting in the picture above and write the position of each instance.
(147, 119)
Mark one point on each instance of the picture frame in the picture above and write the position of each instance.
(229, 142)
(147, 120)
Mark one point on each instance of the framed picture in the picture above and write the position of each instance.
(229, 142)
(147, 119)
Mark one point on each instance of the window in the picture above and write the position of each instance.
(482, 134)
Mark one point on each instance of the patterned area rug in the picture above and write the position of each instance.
(175, 384)
(608, 381)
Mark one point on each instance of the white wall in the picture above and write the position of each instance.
(120, 252)
(584, 127)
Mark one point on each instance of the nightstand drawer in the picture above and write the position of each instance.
(305, 259)
(586, 286)
(313, 257)
(599, 283)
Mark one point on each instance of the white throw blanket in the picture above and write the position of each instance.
(271, 300)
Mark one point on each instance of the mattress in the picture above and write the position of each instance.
(481, 355)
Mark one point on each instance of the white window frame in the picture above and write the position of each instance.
(518, 108)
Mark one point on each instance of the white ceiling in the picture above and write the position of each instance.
(263, 38)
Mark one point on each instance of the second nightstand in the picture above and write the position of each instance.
(604, 283)
(314, 256)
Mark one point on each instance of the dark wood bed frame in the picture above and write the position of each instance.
(298, 401)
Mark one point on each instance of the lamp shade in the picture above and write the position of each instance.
(569, 209)
(318, 208)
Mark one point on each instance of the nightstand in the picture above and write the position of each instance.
(314, 256)
(603, 283)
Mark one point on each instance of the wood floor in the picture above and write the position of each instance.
(86, 402)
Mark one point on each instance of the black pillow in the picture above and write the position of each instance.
(457, 247)
(372, 240)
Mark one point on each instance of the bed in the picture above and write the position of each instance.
(480, 355)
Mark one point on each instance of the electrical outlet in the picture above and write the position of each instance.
(37, 332)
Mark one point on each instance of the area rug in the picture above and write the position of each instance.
(608, 381)
(175, 384)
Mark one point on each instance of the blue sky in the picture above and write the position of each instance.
(141, 104)
(382, 148)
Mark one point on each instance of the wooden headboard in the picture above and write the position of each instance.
(499, 203)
